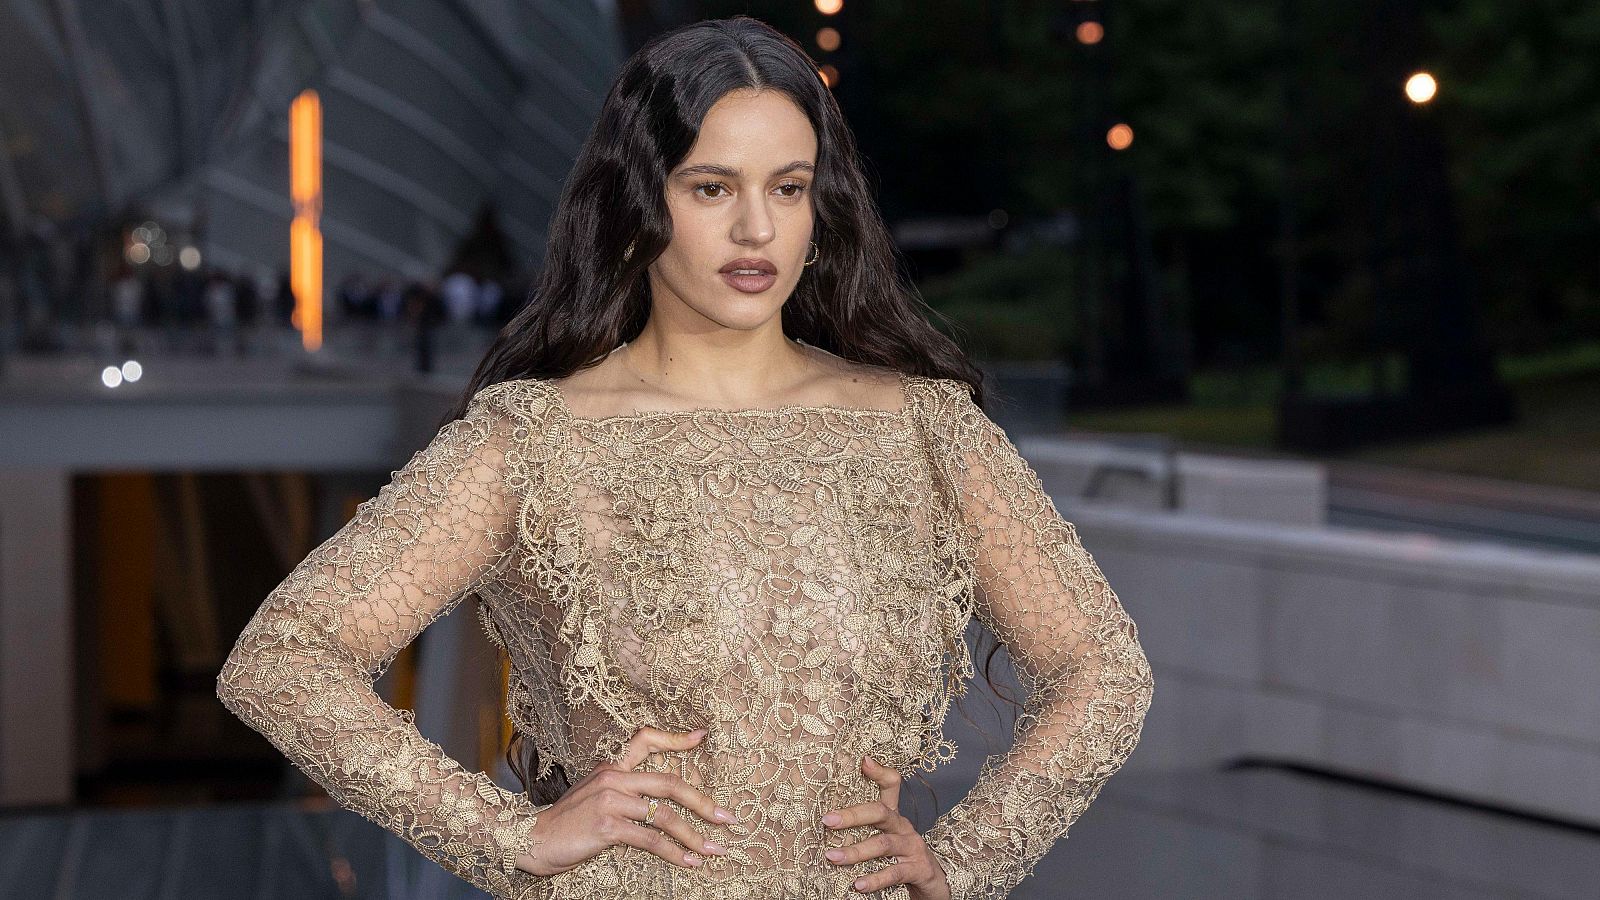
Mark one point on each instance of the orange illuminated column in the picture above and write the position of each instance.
(305, 234)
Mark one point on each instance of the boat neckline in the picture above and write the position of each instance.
(715, 413)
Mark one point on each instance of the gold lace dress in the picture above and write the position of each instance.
(797, 580)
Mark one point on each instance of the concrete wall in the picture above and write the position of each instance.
(1151, 476)
(1466, 668)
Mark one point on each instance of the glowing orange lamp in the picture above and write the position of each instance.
(305, 235)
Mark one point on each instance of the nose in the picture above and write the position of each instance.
(754, 224)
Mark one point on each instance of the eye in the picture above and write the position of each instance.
(798, 189)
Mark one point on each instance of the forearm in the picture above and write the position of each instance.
(1068, 742)
(289, 680)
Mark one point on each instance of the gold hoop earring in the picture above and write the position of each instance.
(628, 253)
(815, 252)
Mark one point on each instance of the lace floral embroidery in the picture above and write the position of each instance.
(796, 580)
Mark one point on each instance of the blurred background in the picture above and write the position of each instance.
(1294, 306)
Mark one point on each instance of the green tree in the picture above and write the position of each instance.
(1521, 96)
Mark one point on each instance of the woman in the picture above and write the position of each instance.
(727, 502)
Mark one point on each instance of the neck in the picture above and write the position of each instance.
(723, 368)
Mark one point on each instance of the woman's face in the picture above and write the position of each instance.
(743, 191)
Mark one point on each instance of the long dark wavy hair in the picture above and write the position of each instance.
(855, 301)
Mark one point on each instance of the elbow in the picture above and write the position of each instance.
(229, 682)
(1138, 681)
(1146, 695)
(1122, 674)
(245, 691)
(1135, 680)
(1126, 683)
(1137, 691)
(1148, 677)
(242, 681)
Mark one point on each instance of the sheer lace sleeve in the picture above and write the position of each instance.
(1075, 650)
(302, 671)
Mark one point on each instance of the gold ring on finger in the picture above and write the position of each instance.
(650, 810)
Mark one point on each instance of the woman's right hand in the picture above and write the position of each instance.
(608, 807)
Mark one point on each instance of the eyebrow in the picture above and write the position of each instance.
(731, 172)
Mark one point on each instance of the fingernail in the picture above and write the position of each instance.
(714, 847)
(834, 855)
(723, 815)
(859, 884)
(831, 818)
(692, 858)
(699, 733)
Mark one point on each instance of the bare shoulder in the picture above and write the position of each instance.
(878, 387)
(599, 390)
(849, 383)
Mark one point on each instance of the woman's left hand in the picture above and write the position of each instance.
(917, 868)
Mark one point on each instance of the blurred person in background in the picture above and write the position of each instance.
(127, 306)
(222, 313)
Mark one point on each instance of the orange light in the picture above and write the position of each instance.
(305, 235)
(830, 75)
(305, 148)
(828, 39)
(1091, 32)
(829, 7)
(1120, 137)
(1421, 88)
(305, 279)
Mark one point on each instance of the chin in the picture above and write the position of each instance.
(743, 314)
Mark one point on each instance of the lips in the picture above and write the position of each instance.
(749, 265)
(750, 275)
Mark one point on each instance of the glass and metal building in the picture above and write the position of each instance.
(178, 110)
